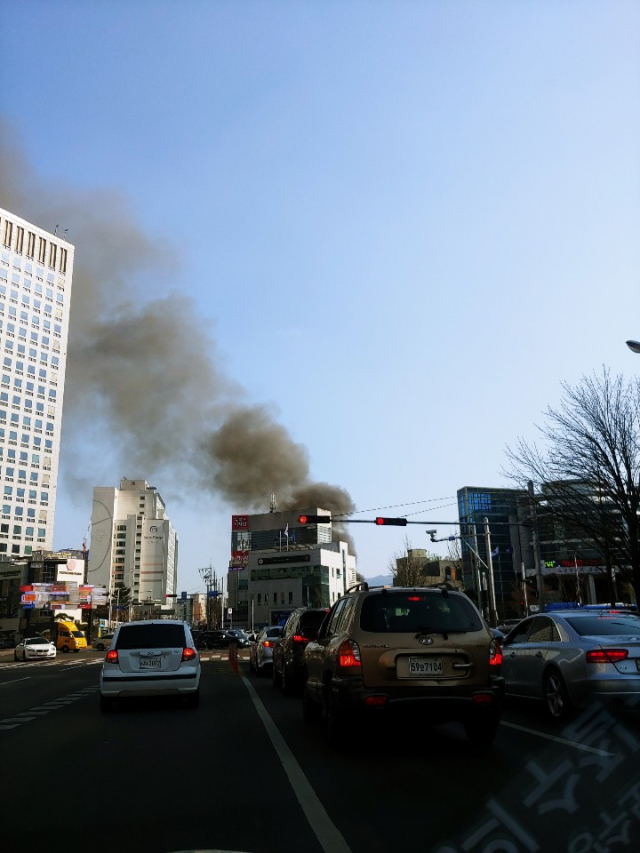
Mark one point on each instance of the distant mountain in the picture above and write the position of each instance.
(380, 580)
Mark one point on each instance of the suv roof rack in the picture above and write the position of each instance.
(363, 585)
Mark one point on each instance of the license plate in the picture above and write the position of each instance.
(150, 663)
(419, 667)
(638, 664)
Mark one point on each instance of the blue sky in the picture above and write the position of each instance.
(401, 224)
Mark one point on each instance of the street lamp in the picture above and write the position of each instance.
(634, 346)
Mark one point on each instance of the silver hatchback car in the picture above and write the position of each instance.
(151, 658)
(565, 657)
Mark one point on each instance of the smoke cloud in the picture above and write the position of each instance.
(145, 390)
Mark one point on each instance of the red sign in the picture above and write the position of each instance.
(239, 522)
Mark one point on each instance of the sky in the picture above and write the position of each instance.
(366, 241)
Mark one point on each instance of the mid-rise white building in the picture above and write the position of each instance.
(36, 269)
(133, 542)
(278, 564)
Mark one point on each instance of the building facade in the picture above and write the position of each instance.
(277, 564)
(36, 270)
(133, 542)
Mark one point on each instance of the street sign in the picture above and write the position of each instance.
(214, 593)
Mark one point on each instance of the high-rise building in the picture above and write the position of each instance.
(36, 269)
(133, 542)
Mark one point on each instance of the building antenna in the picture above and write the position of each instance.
(55, 231)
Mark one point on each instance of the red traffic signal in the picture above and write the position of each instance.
(392, 522)
(314, 519)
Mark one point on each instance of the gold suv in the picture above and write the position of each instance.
(424, 654)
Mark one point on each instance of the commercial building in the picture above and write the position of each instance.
(36, 270)
(278, 564)
(133, 543)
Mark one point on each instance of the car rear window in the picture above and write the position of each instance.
(621, 624)
(312, 618)
(274, 632)
(404, 612)
(151, 637)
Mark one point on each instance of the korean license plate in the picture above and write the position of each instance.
(421, 667)
(150, 663)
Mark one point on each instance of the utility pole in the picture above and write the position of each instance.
(492, 587)
(536, 547)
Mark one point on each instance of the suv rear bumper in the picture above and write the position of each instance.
(429, 704)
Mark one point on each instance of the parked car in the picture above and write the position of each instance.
(261, 652)
(241, 637)
(103, 642)
(34, 648)
(562, 658)
(420, 655)
(151, 658)
(288, 653)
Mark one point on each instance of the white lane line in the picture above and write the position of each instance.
(562, 740)
(4, 728)
(17, 720)
(26, 678)
(330, 838)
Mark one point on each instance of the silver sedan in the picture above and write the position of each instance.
(564, 657)
(261, 652)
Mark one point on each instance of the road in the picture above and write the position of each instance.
(243, 772)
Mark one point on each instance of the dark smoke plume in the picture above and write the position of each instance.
(143, 391)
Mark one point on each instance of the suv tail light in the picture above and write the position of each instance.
(349, 655)
(495, 653)
(112, 656)
(188, 653)
(606, 655)
(298, 638)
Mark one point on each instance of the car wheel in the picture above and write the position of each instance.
(100, 647)
(106, 704)
(193, 700)
(556, 698)
(65, 649)
(334, 721)
(481, 730)
(311, 711)
(287, 684)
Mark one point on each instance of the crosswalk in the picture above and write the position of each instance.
(45, 708)
(42, 664)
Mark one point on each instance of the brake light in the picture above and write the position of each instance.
(112, 656)
(482, 698)
(606, 655)
(495, 653)
(188, 653)
(298, 638)
(267, 644)
(349, 655)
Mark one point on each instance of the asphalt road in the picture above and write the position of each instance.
(243, 772)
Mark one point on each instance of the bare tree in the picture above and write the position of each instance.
(588, 471)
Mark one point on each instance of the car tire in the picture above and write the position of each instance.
(65, 650)
(287, 684)
(100, 647)
(193, 699)
(556, 698)
(481, 730)
(334, 722)
(311, 711)
(106, 704)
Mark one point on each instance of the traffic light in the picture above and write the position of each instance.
(395, 522)
(314, 519)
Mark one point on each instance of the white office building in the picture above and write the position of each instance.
(133, 542)
(36, 269)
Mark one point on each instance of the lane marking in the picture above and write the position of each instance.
(6, 728)
(26, 678)
(330, 838)
(562, 740)
(17, 720)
